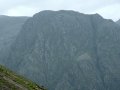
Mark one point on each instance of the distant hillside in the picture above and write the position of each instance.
(11, 81)
(118, 22)
(9, 28)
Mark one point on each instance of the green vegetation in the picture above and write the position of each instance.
(11, 81)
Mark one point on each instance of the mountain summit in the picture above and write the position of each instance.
(67, 50)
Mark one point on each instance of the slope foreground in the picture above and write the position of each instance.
(11, 81)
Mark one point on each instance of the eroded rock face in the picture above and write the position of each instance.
(67, 50)
(9, 28)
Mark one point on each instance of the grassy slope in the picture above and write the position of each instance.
(11, 81)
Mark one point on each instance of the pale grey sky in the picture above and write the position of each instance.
(107, 8)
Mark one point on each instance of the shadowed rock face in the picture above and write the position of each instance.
(9, 28)
(67, 50)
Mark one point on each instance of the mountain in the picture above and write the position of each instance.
(118, 22)
(9, 28)
(11, 81)
(67, 50)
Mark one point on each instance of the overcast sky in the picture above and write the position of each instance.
(107, 8)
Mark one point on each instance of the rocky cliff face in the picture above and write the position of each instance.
(9, 28)
(67, 50)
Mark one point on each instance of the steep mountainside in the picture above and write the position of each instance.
(9, 28)
(11, 81)
(67, 50)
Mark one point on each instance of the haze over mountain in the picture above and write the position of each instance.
(67, 50)
(9, 28)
